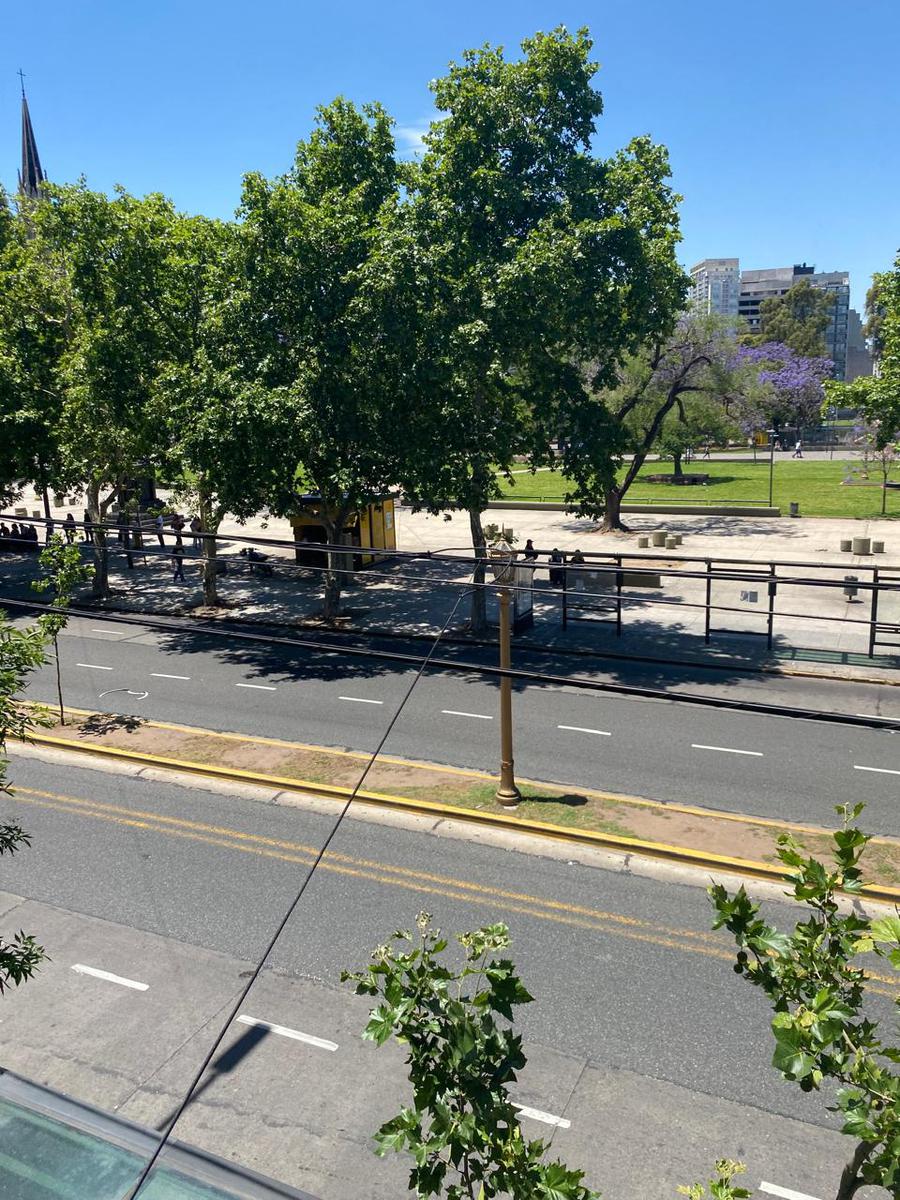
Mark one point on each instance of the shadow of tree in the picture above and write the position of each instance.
(100, 723)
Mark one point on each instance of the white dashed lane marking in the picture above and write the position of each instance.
(359, 700)
(727, 750)
(537, 1114)
(160, 675)
(452, 712)
(259, 687)
(93, 667)
(877, 770)
(283, 1031)
(582, 729)
(785, 1193)
(81, 969)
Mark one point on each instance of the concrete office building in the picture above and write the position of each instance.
(859, 357)
(715, 286)
(757, 286)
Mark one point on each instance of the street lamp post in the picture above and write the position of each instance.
(507, 793)
(771, 433)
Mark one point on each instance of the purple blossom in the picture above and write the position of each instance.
(797, 382)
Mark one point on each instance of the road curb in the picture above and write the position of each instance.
(661, 851)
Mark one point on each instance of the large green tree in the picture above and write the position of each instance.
(100, 262)
(212, 419)
(798, 319)
(878, 396)
(534, 256)
(307, 237)
(690, 373)
(32, 340)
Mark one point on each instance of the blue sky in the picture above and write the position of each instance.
(781, 117)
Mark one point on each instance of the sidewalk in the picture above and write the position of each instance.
(665, 622)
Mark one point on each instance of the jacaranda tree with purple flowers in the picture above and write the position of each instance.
(792, 386)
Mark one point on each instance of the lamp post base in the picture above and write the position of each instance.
(508, 797)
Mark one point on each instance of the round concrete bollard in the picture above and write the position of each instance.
(671, 542)
(878, 547)
(861, 545)
(643, 543)
(679, 538)
(845, 545)
(658, 537)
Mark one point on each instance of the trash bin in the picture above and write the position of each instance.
(850, 588)
(794, 508)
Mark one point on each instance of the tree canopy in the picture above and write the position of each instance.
(798, 320)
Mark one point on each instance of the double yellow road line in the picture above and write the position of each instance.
(424, 883)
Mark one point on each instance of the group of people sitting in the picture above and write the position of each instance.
(19, 539)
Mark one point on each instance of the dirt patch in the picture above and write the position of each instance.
(748, 838)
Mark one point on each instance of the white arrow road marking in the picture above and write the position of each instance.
(548, 1118)
(81, 969)
(321, 1043)
(128, 691)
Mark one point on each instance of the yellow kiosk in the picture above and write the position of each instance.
(370, 529)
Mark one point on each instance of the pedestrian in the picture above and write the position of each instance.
(195, 531)
(178, 563)
(529, 553)
(798, 450)
(4, 539)
(557, 574)
(160, 526)
(69, 526)
(49, 531)
(178, 524)
(575, 578)
(86, 532)
(706, 450)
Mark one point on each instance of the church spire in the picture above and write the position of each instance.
(31, 175)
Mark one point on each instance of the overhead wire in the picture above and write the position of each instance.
(292, 907)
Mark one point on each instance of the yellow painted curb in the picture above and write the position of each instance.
(658, 850)
(663, 806)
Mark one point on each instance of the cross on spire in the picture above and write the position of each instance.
(21, 75)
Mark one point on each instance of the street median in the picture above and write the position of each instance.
(703, 838)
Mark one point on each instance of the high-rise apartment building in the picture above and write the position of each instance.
(757, 286)
(715, 286)
(859, 357)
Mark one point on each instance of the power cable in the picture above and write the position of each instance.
(245, 991)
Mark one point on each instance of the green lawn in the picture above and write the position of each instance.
(816, 485)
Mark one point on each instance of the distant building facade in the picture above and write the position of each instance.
(859, 356)
(757, 286)
(715, 286)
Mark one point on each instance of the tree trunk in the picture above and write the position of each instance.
(100, 588)
(331, 596)
(478, 616)
(851, 1181)
(676, 465)
(612, 506)
(62, 715)
(209, 551)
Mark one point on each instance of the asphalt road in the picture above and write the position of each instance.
(638, 1022)
(663, 749)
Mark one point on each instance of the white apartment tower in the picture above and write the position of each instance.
(715, 286)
